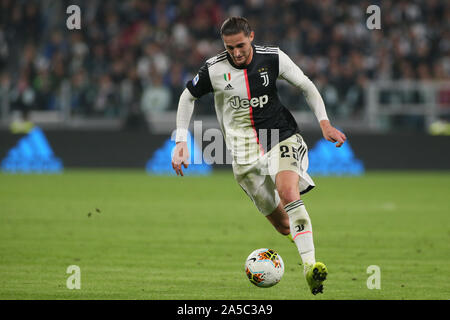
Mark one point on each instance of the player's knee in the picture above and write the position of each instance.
(289, 194)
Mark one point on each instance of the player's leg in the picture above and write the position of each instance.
(261, 190)
(287, 183)
(280, 220)
(291, 179)
(289, 163)
(299, 221)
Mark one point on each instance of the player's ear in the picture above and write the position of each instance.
(251, 36)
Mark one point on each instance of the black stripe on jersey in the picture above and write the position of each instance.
(209, 64)
(222, 54)
(275, 50)
(220, 57)
(266, 52)
(266, 49)
(259, 50)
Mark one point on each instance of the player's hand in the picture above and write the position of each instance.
(180, 157)
(332, 134)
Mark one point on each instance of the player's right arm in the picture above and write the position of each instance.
(195, 88)
(185, 109)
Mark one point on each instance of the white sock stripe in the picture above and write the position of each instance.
(289, 205)
(293, 208)
(293, 205)
(296, 203)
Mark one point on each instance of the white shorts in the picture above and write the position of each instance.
(257, 179)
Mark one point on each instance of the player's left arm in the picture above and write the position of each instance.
(332, 134)
(289, 71)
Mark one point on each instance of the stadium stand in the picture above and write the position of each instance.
(131, 53)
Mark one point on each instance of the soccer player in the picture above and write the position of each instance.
(243, 80)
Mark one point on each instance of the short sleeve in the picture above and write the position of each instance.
(201, 84)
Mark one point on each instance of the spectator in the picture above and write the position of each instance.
(156, 97)
(106, 102)
(328, 39)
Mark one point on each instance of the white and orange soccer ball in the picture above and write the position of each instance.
(264, 267)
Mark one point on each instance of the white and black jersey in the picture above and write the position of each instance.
(246, 98)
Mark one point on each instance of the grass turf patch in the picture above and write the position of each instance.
(136, 236)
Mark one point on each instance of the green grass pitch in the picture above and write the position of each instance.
(136, 236)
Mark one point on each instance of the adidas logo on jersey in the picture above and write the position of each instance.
(229, 87)
(236, 102)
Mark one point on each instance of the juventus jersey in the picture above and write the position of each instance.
(246, 100)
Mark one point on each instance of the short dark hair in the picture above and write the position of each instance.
(235, 25)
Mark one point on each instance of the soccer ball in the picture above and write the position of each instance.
(264, 267)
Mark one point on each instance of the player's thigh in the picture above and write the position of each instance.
(260, 189)
(287, 184)
(291, 155)
(285, 166)
(288, 155)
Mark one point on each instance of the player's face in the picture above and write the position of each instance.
(239, 46)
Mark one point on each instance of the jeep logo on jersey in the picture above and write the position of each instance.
(236, 102)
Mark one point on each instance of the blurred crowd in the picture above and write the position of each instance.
(135, 56)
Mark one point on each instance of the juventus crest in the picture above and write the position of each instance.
(265, 77)
(263, 73)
